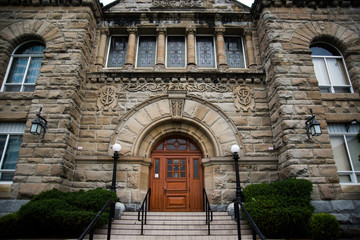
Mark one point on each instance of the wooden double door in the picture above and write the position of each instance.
(176, 176)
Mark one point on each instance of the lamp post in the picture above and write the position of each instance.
(235, 149)
(116, 148)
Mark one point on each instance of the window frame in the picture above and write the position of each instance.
(242, 47)
(10, 65)
(353, 174)
(332, 87)
(8, 134)
(138, 47)
(109, 47)
(166, 51)
(214, 51)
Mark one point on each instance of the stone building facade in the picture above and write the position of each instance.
(152, 75)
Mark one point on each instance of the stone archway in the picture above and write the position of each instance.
(178, 113)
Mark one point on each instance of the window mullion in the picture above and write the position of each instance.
(25, 74)
(4, 151)
(352, 175)
(329, 75)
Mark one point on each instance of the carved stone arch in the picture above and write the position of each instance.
(334, 33)
(204, 122)
(19, 32)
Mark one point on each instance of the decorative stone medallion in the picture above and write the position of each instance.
(244, 99)
(107, 98)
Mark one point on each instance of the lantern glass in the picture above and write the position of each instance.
(315, 129)
(36, 127)
(235, 148)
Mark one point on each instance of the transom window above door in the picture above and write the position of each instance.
(176, 144)
(330, 69)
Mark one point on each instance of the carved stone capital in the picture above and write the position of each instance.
(219, 30)
(191, 30)
(104, 31)
(133, 30)
(161, 30)
(248, 33)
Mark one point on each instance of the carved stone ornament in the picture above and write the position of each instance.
(177, 107)
(244, 99)
(190, 87)
(107, 98)
(183, 3)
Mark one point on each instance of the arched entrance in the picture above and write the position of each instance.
(176, 175)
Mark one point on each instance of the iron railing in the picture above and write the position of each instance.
(145, 206)
(90, 228)
(208, 210)
(255, 229)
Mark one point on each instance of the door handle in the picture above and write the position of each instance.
(164, 189)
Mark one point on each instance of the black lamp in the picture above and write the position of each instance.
(38, 124)
(312, 126)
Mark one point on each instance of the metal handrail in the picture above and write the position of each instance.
(145, 206)
(208, 210)
(255, 228)
(90, 227)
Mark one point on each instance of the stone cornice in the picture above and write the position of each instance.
(177, 77)
(95, 5)
(259, 5)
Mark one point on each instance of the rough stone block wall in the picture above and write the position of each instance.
(68, 34)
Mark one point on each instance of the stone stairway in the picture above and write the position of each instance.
(175, 226)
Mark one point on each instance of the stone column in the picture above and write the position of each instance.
(191, 63)
(220, 48)
(249, 50)
(161, 42)
(131, 51)
(102, 46)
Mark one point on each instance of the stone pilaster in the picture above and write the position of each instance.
(191, 62)
(250, 50)
(131, 51)
(220, 47)
(161, 42)
(100, 59)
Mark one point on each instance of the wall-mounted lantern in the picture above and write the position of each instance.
(312, 126)
(38, 124)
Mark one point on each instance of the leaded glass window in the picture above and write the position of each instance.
(234, 52)
(10, 142)
(24, 68)
(205, 52)
(330, 69)
(176, 51)
(117, 51)
(146, 51)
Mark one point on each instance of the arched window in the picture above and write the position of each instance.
(330, 69)
(24, 68)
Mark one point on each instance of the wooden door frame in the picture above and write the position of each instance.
(159, 194)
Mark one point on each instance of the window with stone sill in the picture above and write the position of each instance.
(24, 68)
(330, 69)
(205, 56)
(234, 52)
(10, 142)
(175, 52)
(117, 52)
(146, 51)
(346, 150)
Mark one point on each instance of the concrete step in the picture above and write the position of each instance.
(174, 225)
